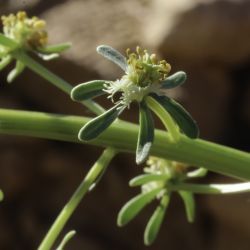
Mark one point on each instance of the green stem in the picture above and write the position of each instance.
(20, 55)
(211, 188)
(165, 117)
(123, 136)
(52, 78)
(74, 201)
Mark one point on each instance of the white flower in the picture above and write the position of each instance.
(142, 77)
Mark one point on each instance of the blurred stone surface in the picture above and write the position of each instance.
(208, 39)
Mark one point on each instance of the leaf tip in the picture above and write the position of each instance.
(143, 153)
(82, 136)
(100, 48)
(120, 221)
(73, 95)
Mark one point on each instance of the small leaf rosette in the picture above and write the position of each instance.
(21, 33)
(145, 81)
(161, 179)
(158, 175)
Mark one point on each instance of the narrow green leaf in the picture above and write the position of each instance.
(200, 172)
(165, 117)
(1, 195)
(66, 239)
(15, 72)
(212, 188)
(57, 48)
(155, 221)
(145, 178)
(113, 55)
(146, 134)
(189, 203)
(180, 116)
(135, 205)
(174, 80)
(7, 42)
(5, 62)
(87, 90)
(3, 52)
(97, 125)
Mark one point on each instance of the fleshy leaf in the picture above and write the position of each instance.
(5, 61)
(15, 72)
(155, 221)
(87, 90)
(57, 48)
(212, 188)
(200, 172)
(180, 116)
(66, 239)
(146, 134)
(113, 55)
(145, 178)
(97, 125)
(135, 205)
(7, 42)
(189, 203)
(174, 80)
(1, 195)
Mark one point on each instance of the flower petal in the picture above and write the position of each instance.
(180, 115)
(135, 205)
(174, 80)
(146, 134)
(87, 90)
(155, 221)
(113, 55)
(97, 125)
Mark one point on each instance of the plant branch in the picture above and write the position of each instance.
(123, 135)
(53, 78)
(76, 198)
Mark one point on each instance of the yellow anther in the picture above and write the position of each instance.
(145, 69)
(40, 24)
(21, 15)
(139, 51)
(153, 58)
(30, 33)
(127, 52)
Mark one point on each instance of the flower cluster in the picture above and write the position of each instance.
(144, 82)
(27, 32)
(161, 178)
(21, 34)
(143, 76)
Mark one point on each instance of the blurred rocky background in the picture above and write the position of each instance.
(208, 39)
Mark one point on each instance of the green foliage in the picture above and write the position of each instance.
(145, 81)
(146, 134)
